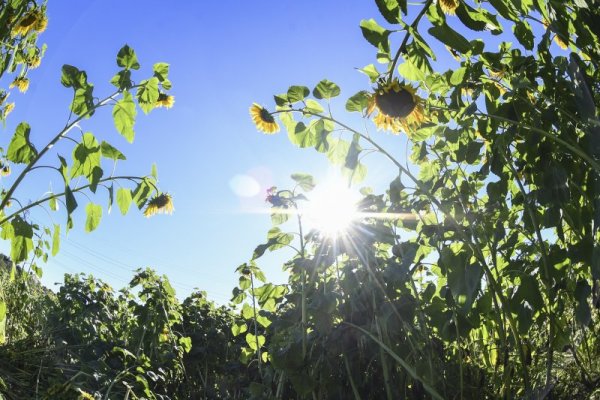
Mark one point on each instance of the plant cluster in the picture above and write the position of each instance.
(474, 274)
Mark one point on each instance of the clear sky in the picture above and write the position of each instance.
(223, 56)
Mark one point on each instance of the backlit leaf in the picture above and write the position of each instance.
(124, 113)
(20, 150)
(93, 215)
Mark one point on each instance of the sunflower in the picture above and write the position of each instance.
(20, 83)
(163, 203)
(398, 107)
(7, 110)
(263, 119)
(449, 6)
(5, 170)
(32, 20)
(34, 61)
(42, 23)
(165, 100)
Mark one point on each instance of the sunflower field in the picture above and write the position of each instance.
(475, 273)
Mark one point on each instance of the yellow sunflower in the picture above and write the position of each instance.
(165, 100)
(42, 22)
(449, 6)
(34, 61)
(32, 20)
(163, 203)
(8, 109)
(20, 83)
(263, 119)
(398, 107)
(5, 170)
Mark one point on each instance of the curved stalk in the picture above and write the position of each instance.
(51, 144)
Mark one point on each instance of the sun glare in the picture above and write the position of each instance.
(331, 208)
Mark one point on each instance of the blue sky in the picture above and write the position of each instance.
(223, 56)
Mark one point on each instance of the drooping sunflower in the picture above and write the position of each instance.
(263, 119)
(34, 61)
(5, 170)
(20, 83)
(398, 107)
(7, 110)
(162, 203)
(449, 6)
(32, 20)
(165, 100)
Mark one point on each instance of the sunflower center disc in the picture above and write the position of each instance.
(266, 116)
(396, 104)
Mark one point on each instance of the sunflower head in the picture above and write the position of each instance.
(34, 61)
(449, 6)
(5, 170)
(398, 107)
(165, 100)
(32, 20)
(7, 110)
(20, 83)
(162, 203)
(263, 119)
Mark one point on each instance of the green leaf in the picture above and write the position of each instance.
(143, 191)
(297, 93)
(313, 106)
(450, 37)
(109, 151)
(375, 34)
(371, 71)
(238, 328)
(458, 76)
(247, 311)
(124, 200)
(70, 200)
(306, 181)
(86, 160)
(147, 94)
(252, 341)
(354, 150)
(506, 9)
(326, 90)
(56, 240)
(390, 9)
(93, 215)
(21, 243)
(83, 102)
(53, 204)
(301, 136)
(122, 80)
(416, 65)
(20, 150)
(127, 59)
(478, 19)
(124, 113)
(358, 102)
(524, 34)
(161, 71)
(73, 77)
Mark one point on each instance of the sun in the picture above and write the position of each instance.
(331, 208)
